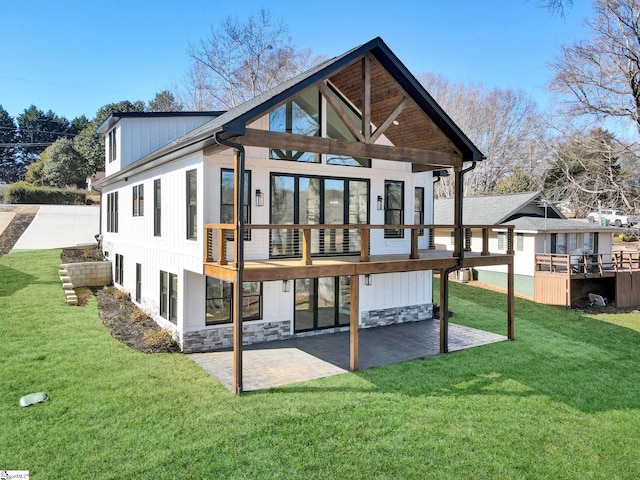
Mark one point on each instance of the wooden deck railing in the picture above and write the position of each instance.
(352, 239)
(588, 264)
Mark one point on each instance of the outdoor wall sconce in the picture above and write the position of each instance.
(286, 286)
(259, 198)
(367, 280)
(380, 202)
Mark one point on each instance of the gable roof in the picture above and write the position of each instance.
(421, 125)
(557, 225)
(494, 209)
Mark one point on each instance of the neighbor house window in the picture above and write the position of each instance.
(219, 298)
(227, 185)
(119, 270)
(501, 240)
(192, 204)
(169, 296)
(559, 243)
(157, 203)
(519, 242)
(418, 209)
(138, 282)
(112, 212)
(300, 116)
(112, 145)
(393, 208)
(138, 200)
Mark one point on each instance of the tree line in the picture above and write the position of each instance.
(573, 152)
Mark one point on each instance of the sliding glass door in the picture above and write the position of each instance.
(302, 200)
(321, 303)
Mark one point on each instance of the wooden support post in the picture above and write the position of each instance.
(306, 246)
(510, 240)
(364, 244)
(510, 302)
(467, 239)
(444, 311)
(238, 260)
(354, 315)
(414, 244)
(485, 241)
(222, 247)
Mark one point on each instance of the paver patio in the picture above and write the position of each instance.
(283, 362)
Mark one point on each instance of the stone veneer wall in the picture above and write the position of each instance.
(389, 316)
(222, 337)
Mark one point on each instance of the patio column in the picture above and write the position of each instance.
(444, 311)
(511, 335)
(238, 194)
(354, 316)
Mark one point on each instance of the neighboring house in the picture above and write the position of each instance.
(542, 235)
(345, 152)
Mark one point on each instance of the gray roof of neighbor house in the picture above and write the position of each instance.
(233, 122)
(525, 211)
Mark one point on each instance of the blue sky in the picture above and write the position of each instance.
(74, 56)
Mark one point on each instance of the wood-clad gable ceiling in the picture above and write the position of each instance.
(382, 103)
(412, 128)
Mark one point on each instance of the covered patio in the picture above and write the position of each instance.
(283, 362)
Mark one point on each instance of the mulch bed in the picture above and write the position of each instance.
(141, 335)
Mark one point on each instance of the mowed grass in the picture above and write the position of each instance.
(561, 401)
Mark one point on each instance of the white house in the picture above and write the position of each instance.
(345, 152)
(540, 230)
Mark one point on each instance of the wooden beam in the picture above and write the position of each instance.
(354, 315)
(304, 143)
(366, 98)
(389, 120)
(343, 115)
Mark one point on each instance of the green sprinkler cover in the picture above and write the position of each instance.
(33, 398)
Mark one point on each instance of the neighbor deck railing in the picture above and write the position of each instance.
(583, 264)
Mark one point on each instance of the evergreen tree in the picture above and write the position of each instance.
(9, 171)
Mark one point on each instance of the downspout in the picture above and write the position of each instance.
(99, 236)
(239, 261)
(444, 274)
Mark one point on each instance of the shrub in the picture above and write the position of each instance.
(23, 192)
(158, 339)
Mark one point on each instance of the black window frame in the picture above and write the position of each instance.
(137, 198)
(246, 203)
(118, 271)
(418, 215)
(112, 212)
(157, 208)
(112, 145)
(169, 296)
(393, 232)
(191, 177)
(226, 300)
(138, 296)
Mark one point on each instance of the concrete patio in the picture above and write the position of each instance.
(296, 360)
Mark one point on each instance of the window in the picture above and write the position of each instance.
(138, 282)
(112, 212)
(219, 298)
(192, 204)
(138, 200)
(393, 208)
(336, 128)
(559, 243)
(226, 200)
(119, 270)
(418, 209)
(300, 116)
(519, 242)
(169, 296)
(156, 208)
(501, 242)
(112, 145)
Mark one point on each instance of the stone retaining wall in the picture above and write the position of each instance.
(83, 274)
(389, 316)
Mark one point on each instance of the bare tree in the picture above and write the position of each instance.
(504, 124)
(593, 168)
(601, 76)
(241, 60)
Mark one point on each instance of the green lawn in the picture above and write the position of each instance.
(562, 401)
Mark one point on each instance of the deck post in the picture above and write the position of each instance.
(238, 193)
(364, 245)
(444, 311)
(306, 246)
(485, 241)
(414, 244)
(354, 316)
(511, 334)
